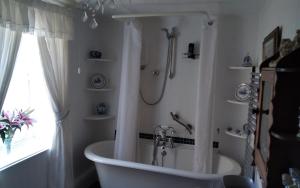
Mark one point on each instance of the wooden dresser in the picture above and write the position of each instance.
(276, 146)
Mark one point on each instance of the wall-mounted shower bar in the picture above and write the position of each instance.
(144, 15)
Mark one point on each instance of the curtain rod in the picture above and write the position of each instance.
(145, 15)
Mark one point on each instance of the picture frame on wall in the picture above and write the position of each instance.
(271, 43)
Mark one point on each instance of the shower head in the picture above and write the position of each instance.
(171, 34)
(210, 22)
(167, 32)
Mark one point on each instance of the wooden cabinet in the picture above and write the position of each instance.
(277, 147)
(262, 141)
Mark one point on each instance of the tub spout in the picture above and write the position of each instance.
(155, 146)
(170, 143)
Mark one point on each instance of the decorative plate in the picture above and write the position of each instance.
(242, 92)
(98, 81)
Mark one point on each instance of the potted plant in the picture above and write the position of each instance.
(10, 122)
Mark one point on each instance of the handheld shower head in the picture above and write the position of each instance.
(166, 31)
(171, 34)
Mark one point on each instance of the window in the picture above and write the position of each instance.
(28, 89)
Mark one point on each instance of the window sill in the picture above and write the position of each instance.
(20, 153)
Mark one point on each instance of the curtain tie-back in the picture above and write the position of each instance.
(61, 117)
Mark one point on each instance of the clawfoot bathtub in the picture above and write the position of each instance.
(114, 173)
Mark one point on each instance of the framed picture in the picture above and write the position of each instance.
(271, 43)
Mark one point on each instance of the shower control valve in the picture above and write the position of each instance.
(162, 138)
(155, 73)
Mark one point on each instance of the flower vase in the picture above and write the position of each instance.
(7, 143)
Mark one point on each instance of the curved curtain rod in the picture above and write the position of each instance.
(124, 16)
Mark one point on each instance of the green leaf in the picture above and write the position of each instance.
(5, 121)
(2, 136)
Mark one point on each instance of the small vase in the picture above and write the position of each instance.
(7, 143)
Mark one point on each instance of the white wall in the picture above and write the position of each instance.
(108, 39)
(237, 36)
(30, 173)
(275, 13)
(180, 93)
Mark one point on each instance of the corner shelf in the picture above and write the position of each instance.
(237, 102)
(239, 68)
(233, 134)
(100, 90)
(99, 117)
(99, 60)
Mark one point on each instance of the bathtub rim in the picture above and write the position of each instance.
(88, 152)
(236, 170)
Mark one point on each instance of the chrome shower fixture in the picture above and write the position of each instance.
(155, 73)
(162, 139)
(170, 65)
(171, 34)
(92, 7)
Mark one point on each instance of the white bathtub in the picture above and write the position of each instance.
(114, 173)
(181, 157)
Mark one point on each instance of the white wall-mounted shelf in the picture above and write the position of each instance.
(99, 117)
(99, 60)
(239, 68)
(100, 90)
(237, 102)
(233, 134)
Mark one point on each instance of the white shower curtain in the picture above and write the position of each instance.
(126, 137)
(203, 122)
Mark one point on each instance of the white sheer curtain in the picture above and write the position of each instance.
(36, 17)
(126, 137)
(14, 15)
(54, 55)
(13, 20)
(52, 23)
(9, 45)
(54, 27)
(203, 123)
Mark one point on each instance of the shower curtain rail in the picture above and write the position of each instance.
(179, 13)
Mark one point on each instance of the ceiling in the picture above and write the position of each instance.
(60, 2)
(139, 6)
(144, 1)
